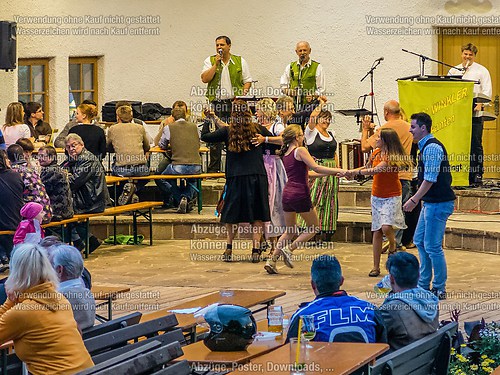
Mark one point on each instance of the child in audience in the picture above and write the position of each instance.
(296, 195)
(29, 230)
(384, 164)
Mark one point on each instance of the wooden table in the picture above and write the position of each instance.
(245, 298)
(333, 358)
(197, 354)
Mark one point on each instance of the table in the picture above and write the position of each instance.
(245, 298)
(197, 354)
(333, 358)
(107, 294)
(202, 150)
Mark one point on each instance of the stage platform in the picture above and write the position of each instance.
(475, 225)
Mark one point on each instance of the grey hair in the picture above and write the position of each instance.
(74, 137)
(29, 267)
(69, 258)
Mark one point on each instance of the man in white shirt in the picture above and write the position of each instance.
(471, 70)
(304, 78)
(226, 76)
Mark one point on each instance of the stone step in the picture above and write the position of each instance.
(465, 231)
(471, 200)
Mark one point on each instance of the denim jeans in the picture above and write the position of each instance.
(178, 191)
(130, 170)
(429, 240)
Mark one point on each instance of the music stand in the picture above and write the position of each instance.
(356, 113)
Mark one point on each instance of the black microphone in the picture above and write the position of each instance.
(220, 51)
(379, 59)
(301, 58)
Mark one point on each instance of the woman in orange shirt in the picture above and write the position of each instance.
(386, 161)
(38, 318)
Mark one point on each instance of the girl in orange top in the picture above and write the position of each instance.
(384, 164)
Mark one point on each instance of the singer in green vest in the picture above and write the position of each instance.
(227, 76)
(303, 79)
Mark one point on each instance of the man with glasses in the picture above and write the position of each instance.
(87, 181)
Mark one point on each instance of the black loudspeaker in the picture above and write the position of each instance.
(8, 39)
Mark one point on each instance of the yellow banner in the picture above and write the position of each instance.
(450, 106)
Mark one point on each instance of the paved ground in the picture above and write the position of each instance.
(173, 271)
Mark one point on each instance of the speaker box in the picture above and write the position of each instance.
(8, 39)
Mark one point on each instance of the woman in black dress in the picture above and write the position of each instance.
(246, 199)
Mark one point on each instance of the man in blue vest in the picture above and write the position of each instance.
(338, 317)
(227, 76)
(303, 79)
(434, 178)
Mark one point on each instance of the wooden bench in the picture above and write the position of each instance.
(107, 294)
(113, 180)
(143, 209)
(112, 325)
(429, 355)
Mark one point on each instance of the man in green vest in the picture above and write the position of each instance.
(303, 79)
(227, 76)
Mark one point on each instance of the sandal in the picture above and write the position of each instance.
(391, 253)
(374, 272)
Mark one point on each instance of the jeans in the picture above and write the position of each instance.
(130, 170)
(429, 241)
(406, 194)
(170, 187)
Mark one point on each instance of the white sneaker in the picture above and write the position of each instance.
(287, 257)
(270, 267)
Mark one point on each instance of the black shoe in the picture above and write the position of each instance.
(127, 194)
(4, 259)
(440, 294)
(79, 244)
(94, 243)
(182, 206)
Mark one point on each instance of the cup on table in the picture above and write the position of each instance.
(298, 361)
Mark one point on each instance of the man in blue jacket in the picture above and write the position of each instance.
(338, 317)
(409, 311)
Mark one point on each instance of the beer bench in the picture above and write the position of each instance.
(114, 180)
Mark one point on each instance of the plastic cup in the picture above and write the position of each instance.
(297, 361)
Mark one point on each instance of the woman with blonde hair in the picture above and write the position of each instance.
(267, 116)
(93, 136)
(296, 195)
(38, 318)
(246, 199)
(14, 127)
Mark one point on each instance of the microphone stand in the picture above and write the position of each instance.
(423, 59)
(298, 98)
(372, 93)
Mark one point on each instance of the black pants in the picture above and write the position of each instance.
(222, 109)
(411, 218)
(476, 151)
(6, 244)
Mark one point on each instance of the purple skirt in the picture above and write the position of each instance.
(296, 198)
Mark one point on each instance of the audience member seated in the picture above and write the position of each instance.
(185, 145)
(28, 149)
(3, 146)
(93, 136)
(33, 117)
(87, 181)
(56, 181)
(338, 317)
(409, 311)
(129, 142)
(11, 202)
(29, 229)
(39, 319)
(167, 155)
(14, 127)
(68, 264)
(60, 141)
(54, 240)
(34, 189)
(135, 120)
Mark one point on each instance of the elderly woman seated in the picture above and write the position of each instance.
(38, 318)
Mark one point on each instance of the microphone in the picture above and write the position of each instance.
(219, 51)
(466, 66)
(379, 59)
(301, 58)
